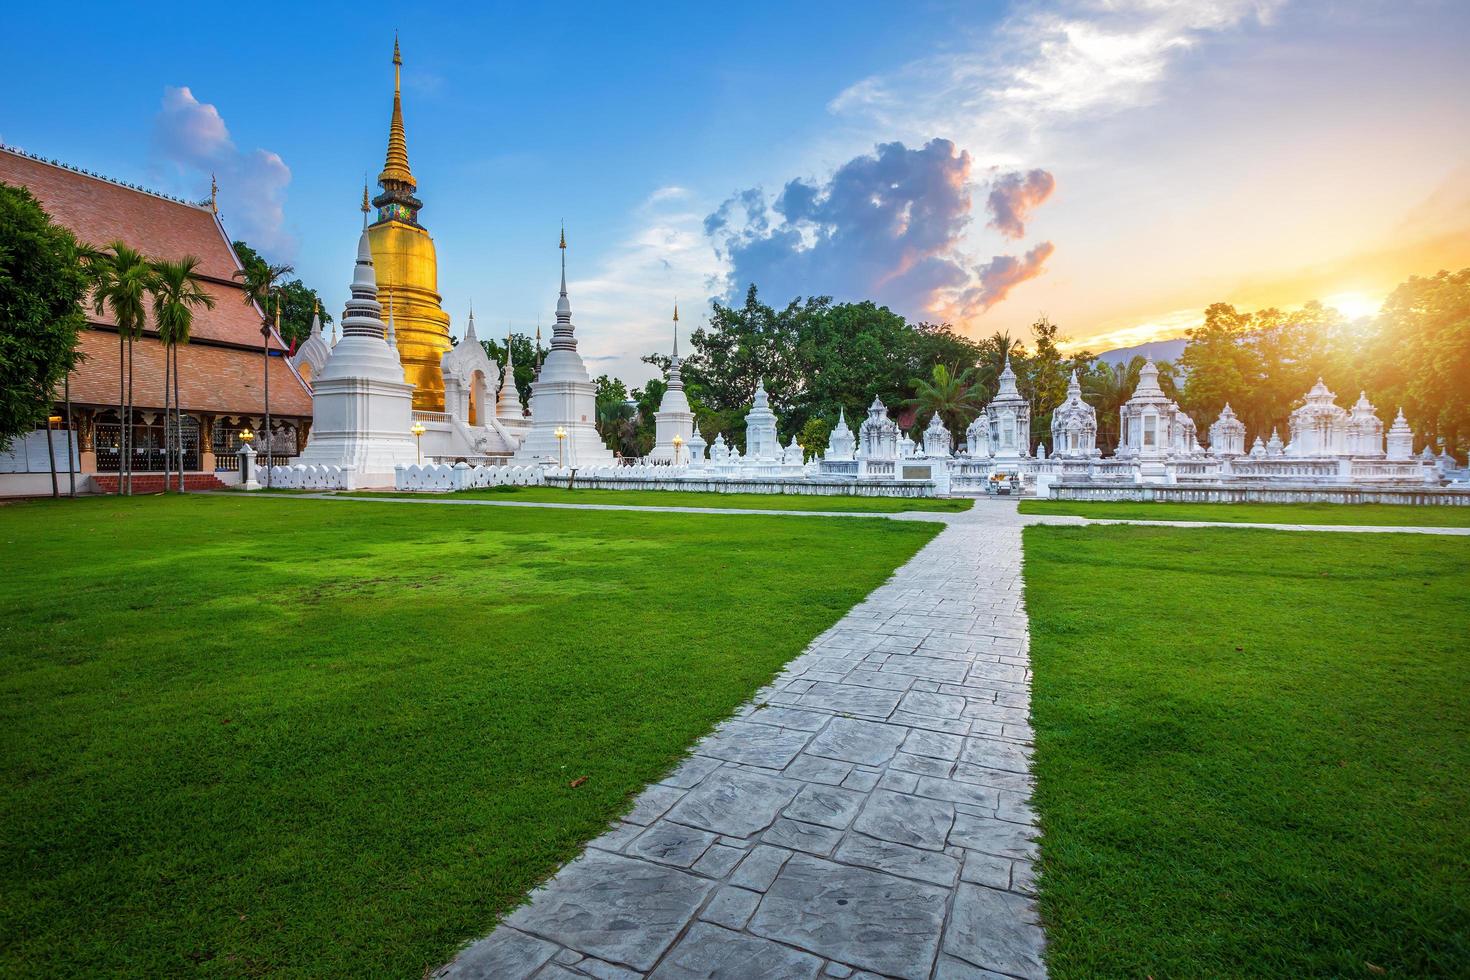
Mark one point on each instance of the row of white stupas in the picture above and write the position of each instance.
(364, 428)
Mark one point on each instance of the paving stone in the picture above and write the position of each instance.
(929, 668)
(759, 868)
(607, 971)
(754, 745)
(711, 953)
(671, 843)
(957, 792)
(553, 971)
(903, 762)
(938, 705)
(1011, 840)
(898, 859)
(861, 780)
(653, 803)
(731, 907)
(878, 679)
(935, 745)
(854, 915)
(567, 957)
(505, 954)
(906, 819)
(837, 970)
(987, 869)
(814, 769)
(1023, 877)
(995, 754)
(898, 781)
(825, 805)
(1016, 808)
(617, 838)
(993, 778)
(735, 802)
(853, 740)
(691, 771)
(949, 968)
(799, 836)
(719, 860)
(850, 698)
(614, 907)
(995, 930)
(797, 718)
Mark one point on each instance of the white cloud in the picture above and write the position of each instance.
(191, 138)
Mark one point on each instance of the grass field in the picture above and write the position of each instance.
(1253, 751)
(689, 498)
(248, 736)
(1382, 515)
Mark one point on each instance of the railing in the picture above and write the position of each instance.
(489, 459)
(431, 416)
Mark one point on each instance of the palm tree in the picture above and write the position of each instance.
(995, 351)
(122, 279)
(1108, 386)
(177, 293)
(260, 280)
(955, 398)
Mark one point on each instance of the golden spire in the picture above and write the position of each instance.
(213, 195)
(395, 167)
(563, 237)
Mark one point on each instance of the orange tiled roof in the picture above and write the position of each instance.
(211, 379)
(99, 211)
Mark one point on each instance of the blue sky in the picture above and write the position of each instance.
(1248, 150)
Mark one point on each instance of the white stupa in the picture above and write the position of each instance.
(673, 417)
(761, 441)
(563, 398)
(361, 404)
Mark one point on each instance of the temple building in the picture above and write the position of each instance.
(221, 370)
(673, 420)
(1318, 427)
(1074, 425)
(407, 266)
(1008, 419)
(937, 441)
(761, 441)
(1227, 434)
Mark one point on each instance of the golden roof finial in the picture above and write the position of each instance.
(676, 311)
(395, 167)
(563, 235)
(213, 195)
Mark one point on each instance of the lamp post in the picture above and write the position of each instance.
(678, 441)
(418, 431)
(247, 461)
(560, 434)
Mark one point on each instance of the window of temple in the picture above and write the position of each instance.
(1150, 430)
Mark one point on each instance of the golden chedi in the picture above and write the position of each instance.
(407, 267)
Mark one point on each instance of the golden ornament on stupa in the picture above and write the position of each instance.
(407, 265)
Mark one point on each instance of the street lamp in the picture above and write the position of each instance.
(246, 436)
(560, 434)
(678, 441)
(418, 431)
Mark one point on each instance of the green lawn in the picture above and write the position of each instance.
(1382, 515)
(691, 498)
(1253, 751)
(248, 736)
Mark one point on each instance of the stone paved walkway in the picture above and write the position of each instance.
(865, 815)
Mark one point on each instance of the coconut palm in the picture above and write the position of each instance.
(177, 292)
(122, 279)
(955, 398)
(259, 279)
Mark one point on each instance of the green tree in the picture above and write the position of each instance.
(178, 291)
(1419, 356)
(42, 285)
(298, 301)
(122, 280)
(1219, 364)
(525, 362)
(814, 438)
(951, 394)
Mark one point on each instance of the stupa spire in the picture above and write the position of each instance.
(676, 330)
(395, 165)
(562, 335)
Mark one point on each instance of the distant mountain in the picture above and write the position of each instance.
(1159, 350)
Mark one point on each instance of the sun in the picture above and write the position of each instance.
(1352, 304)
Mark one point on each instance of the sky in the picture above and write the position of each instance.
(1115, 165)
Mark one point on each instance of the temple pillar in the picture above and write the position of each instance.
(206, 443)
(84, 421)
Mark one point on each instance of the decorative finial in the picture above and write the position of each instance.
(395, 166)
(563, 235)
(397, 58)
(213, 195)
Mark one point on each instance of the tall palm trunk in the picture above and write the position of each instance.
(131, 433)
(168, 457)
(179, 419)
(122, 407)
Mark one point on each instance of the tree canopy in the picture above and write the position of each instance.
(42, 285)
(298, 300)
